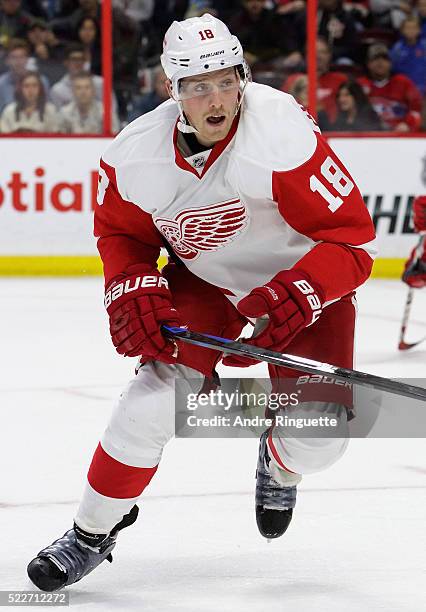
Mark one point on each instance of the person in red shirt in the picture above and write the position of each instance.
(328, 82)
(395, 98)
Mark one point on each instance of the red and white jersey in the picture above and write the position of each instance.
(269, 197)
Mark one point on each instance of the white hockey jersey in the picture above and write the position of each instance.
(269, 197)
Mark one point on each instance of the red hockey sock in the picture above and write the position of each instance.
(111, 478)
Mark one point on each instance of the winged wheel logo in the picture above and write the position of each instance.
(197, 230)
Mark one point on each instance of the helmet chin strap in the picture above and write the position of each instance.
(183, 124)
(186, 128)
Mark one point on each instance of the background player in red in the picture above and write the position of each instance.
(260, 218)
(415, 268)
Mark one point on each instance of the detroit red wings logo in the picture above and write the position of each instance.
(197, 230)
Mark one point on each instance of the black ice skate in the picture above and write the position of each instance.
(274, 501)
(74, 555)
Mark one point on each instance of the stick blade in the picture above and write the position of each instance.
(404, 346)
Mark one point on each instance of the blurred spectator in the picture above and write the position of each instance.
(291, 17)
(408, 55)
(138, 10)
(126, 37)
(74, 62)
(226, 8)
(262, 36)
(395, 98)
(88, 35)
(360, 11)
(46, 50)
(30, 112)
(295, 23)
(14, 21)
(299, 91)
(328, 82)
(54, 9)
(36, 8)
(136, 16)
(338, 27)
(84, 115)
(151, 100)
(289, 7)
(421, 12)
(354, 111)
(390, 13)
(17, 56)
(66, 26)
(166, 11)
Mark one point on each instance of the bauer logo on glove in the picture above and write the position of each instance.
(118, 289)
(312, 298)
(138, 302)
(291, 300)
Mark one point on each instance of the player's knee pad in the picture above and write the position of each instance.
(143, 420)
(311, 439)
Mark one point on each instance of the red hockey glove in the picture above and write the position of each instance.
(419, 214)
(138, 302)
(415, 269)
(291, 300)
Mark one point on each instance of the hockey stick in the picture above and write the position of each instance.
(404, 346)
(295, 363)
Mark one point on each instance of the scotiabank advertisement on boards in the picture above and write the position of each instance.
(47, 195)
(48, 190)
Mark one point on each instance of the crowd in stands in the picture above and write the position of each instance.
(371, 59)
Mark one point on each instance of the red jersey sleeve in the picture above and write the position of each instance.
(126, 234)
(320, 200)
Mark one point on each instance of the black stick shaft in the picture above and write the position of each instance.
(309, 366)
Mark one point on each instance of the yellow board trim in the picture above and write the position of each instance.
(66, 265)
(70, 265)
(388, 268)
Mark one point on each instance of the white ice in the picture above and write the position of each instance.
(357, 540)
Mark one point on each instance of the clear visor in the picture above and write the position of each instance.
(193, 88)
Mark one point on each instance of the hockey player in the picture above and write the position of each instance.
(261, 218)
(415, 268)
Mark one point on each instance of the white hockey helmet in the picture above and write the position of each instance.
(199, 45)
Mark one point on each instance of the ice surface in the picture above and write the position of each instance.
(357, 540)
